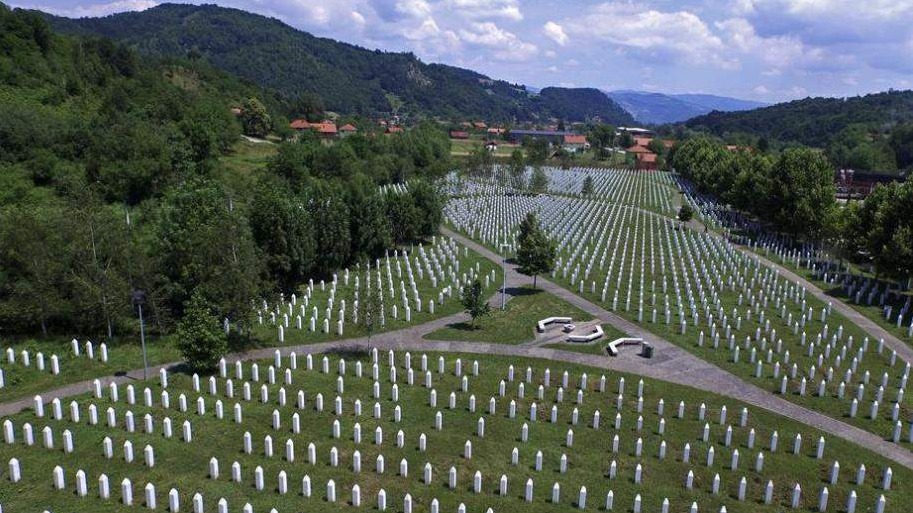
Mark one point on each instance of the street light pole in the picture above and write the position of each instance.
(504, 274)
(138, 297)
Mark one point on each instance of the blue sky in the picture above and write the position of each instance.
(768, 50)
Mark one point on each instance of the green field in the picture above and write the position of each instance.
(185, 466)
(516, 323)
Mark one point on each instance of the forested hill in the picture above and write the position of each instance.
(348, 79)
(812, 121)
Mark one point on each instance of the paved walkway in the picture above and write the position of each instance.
(671, 364)
(904, 350)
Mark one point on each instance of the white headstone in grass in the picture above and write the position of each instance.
(15, 474)
(104, 487)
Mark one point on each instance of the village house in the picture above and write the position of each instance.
(347, 129)
(325, 129)
(459, 134)
(575, 143)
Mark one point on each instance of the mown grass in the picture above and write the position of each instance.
(516, 323)
(184, 466)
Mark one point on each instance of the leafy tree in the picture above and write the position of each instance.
(685, 213)
(255, 120)
(538, 182)
(625, 140)
(588, 187)
(369, 226)
(474, 303)
(326, 202)
(536, 150)
(403, 216)
(602, 137)
(429, 205)
(802, 193)
(284, 232)
(199, 338)
(370, 310)
(535, 251)
(516, 168)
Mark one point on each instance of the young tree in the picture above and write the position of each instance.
(474, 303)
(200, 339)
(255, 120)
(536, 252)
(370, 310)
(588, 187)
(685, 213)
(517, 168)
(538, 182)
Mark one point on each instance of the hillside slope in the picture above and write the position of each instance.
(348, 78)
(812, 121)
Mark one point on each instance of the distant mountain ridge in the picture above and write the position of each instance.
(659, 108)
(811, 121)
(349, 79)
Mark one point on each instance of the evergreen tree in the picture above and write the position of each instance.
(516, 167)
(199, 338)
(473, 301)
(536, 252)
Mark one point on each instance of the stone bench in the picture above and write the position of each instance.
(594, 335)
(550, 320)
(615, 344)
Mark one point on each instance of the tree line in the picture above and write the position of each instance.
(793, 192)
(112, 179)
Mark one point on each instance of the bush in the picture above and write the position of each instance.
(201, 342)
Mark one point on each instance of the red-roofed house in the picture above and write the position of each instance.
(459, 134)
(394, 130)
(326, 129)
(642, 140)
(646, 161)
(575, 143)
(480, 125)
(638, 149)
(347, 129)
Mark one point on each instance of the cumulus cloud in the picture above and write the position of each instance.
(650, 33)
(555, 32)
(506, 44)
(100, 9)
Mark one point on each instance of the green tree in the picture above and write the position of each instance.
(370, 309)
(535, 252)
(685, 213)
(473, 301)
(588, 187)
(255, 120)
(536, 150)
(284, 232)
(602, 137)
(199, 338)
(802, 193)
(538, 182)
(429, 205)
(625, 140)
(369, 227)
(516, 168)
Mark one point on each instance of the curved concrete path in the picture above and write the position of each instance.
(672, 364)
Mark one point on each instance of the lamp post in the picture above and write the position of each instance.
(138, 298)
(504, 273)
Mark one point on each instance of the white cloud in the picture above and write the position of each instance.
(95, 10)
(653, 34)
(485, 9)
(761, 90)
(506, 44)
(555, 32)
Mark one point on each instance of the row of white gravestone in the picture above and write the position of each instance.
(25, 359)
(89, 350)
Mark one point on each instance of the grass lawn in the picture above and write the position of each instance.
(598, 347)
(185, 466)
(514, 325)
(123, 355)
(126, 355)
(268, 333)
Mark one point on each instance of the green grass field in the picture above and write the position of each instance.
(516, 323)
(185, 466)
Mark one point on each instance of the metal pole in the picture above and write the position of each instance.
(142, 337)
(504, 274)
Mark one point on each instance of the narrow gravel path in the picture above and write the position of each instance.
(671, 364)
